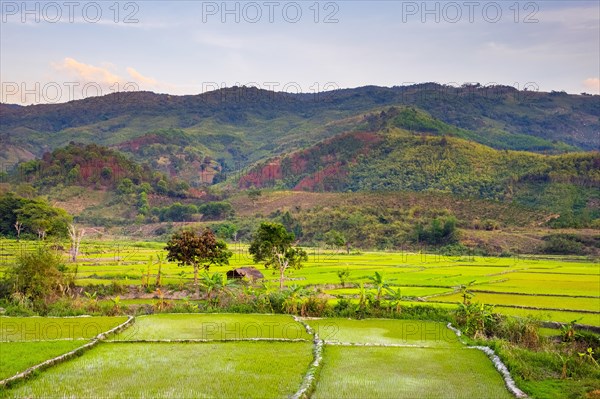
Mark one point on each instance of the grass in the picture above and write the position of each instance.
(18, 356)
(133, 370)
(103, 262)
(51, 328)
(552, 315)
(359, 372)
(542, 302)
(214, 327)
(540, 372)
(381, 331)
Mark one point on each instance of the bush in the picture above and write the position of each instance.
(216, 210)
(563, 244)
(37, 277)
(439, 231)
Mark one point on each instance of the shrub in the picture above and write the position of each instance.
(563, 244)
(37, 277)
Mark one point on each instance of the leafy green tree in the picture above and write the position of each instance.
(143, 205)
(272, 244)
(291, 224)
(190, 249)
(178, 212)
(162, 187)
(42, 219)
(216, 210)
(226, 231)
(9, 204)
(440, 231)
(125, 186)
(335, 239)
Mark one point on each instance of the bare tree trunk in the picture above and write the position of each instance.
(76, 236)
(18, 227)
(283, 264)
(196, 281)
(158, 282)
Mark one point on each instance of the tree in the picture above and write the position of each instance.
(190, 249)
(75, 235)
(440, 231)
(216, 210)
(272, 245)
(125, 186)
(227, 231)
(335, 239)
(39, 217)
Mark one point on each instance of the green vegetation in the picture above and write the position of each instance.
(25, 329)
(379, 331)
(19, 356)
(272, 245)
(440, 175)
(249, 370)
(31, 217)
(190, 249)
(38, 278)
(213, 327)
(28, 341)
(401, 161)
(409, 372)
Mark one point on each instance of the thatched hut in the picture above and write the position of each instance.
(248, 272)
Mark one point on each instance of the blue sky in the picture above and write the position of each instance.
(51, 51)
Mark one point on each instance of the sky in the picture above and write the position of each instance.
(59, 51)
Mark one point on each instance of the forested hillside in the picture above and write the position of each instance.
(240, 125)
(431, 157)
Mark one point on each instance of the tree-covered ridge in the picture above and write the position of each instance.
(243, 125)
(95, 166)
(396, 159)
(176, 153)
(321, 166)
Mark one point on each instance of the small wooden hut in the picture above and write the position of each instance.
(250, 273)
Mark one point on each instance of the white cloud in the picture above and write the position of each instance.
(593, 85)
(139, 78)
(89, 73)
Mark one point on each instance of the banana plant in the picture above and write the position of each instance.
(380, 283)
(396, 297)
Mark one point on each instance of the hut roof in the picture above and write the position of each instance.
(248, 272)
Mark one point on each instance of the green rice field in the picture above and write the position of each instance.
(224, 366)
(559, 288)
(27, 341)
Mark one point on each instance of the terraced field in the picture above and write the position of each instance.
(163, 356)
(27, 341)
(554, 288)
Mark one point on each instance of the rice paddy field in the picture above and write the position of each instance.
(27, 341)
(159, 358)
(559, 289)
